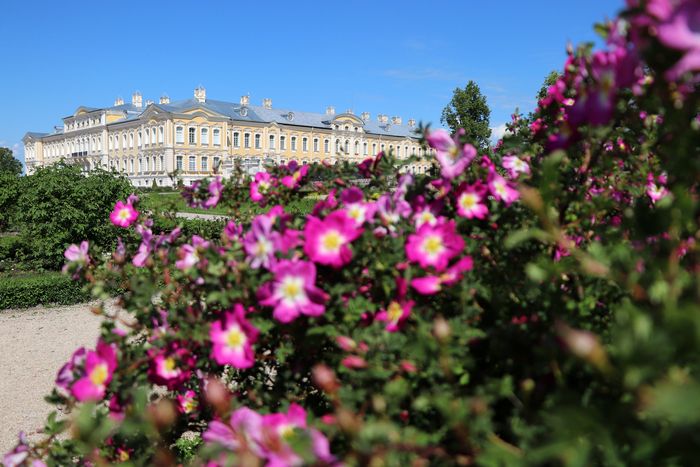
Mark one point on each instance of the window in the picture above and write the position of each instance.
(140, 164)
(217, 163)
(236, 142)
(382, 147)
(272, 142)
(305, 144)
(337, 146)
(193, 164)
(131, 165)
(99, 144)
(364, 149)
(217, 137)
(131, 140)
(153, 136)
(294, 143)
(178, 163)
(283, 143)
(138, 139)
(374, 149)
(257, 142)
(193, 136)
(160, 135)
(179, 135)
(246, 140)
(357, 147)
(326, 146)
(205, 137)
(111, 145)
(124, 141)
(162, 162)
(148, 164)
(205, 163)
(315, 144)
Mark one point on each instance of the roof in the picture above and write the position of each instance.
(254, 113)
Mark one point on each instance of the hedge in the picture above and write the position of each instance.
(44, 289)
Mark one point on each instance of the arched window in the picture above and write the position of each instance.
(347, 146)
(179, 134)
(294, 143)
(357, 147)
(205, 164)
(316, 148)
(205, 137)
(271, 143)
(153, 136)
(124, 141)
(131, 140)
(258, 142)
(374, 149)
(283, 143)
(138, 139)
(160, 134)
(364, 149)
(305, 144)
(246, 140)
(326, 146)
(217, 137)
(192, 136)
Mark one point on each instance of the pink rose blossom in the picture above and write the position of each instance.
(298, 173)
(515, 166)
(451, 154)
(434, 245)
(171, 367)
(189, 254)
(470, 201)
(430, 285)
(260, 243)
(99, 367)
(123, 214)
(293, 291)
(327, 240)
(215, 190)
(260, 186)
(502, 189)
(233, 338)
(187, 402)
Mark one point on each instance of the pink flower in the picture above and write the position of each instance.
(215, 190)
(434, 245)
(451, 154)
(395, 314)
(293, 291)
(123, 215)
(259, 243)
(260, 186)
(470, 201)
(187, 402)
(171, 367)
(77, 253)
(354, 362)
(292, 181)
(233, 338)
(678, 30)
(99, 367)
(501, 189)
(67, 374)
(655, 191)
(243, 432)
(327, 240)
(189, 254)
(430, 285)
(515, 166)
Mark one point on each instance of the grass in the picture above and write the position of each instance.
(173, 201)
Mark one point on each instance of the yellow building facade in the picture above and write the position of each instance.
(194, 138)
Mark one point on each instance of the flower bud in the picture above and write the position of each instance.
(325, 378)
(346, 343)
(354, 362)
(441, 329)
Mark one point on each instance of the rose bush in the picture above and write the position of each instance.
(534, 305)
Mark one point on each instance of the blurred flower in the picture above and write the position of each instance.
(233, 338)
(123, 215)
(293, 291)
(327, 240)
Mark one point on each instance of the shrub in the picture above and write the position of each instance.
(10, 189)
(59, 205)
(534, 305)
(44, 289)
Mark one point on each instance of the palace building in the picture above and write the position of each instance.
(198, 137)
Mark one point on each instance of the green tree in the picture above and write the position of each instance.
(551, 78)
(8, 163)
(468, 109)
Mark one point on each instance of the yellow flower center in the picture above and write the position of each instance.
(99, 374)
(124, 214)
(432, 245)
(235, 338)
(500, 188)
(453, 152)
(468, 200)
(331, 240)
(262, 247)
(169, 364)
(286, 432)
(394, 311)
(291, 288)
(355, 212)
(123, 456)
(190, 405)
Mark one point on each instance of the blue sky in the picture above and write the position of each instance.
(393, 57)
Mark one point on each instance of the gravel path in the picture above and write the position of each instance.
(34, 344)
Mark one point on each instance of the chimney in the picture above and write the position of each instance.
(164, 99)
(349, 111)
(330, 110)
(200, 94)
(396, 120)
(118, 101)
(365, 116)
(245, 100)
(411, 122)
(137, 99)
(267, 103)
(381, 118)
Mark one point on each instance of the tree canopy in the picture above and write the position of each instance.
(468, 109)
(8, 162)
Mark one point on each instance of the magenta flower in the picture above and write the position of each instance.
(293, 291)
(502, 189)
(292, 181)
(243, 432)
(123, 214)
(259, 243)
(75, 253)
(171, 367)
(434, 245)
(187, 402)
(215, 190)
(99, 367)
(189, 254)
(430, 285)
(260, 186)
(656, 191)
(451, 154)
(327, 240)
(71, 370)
(679, 30)
(515, 166)
(470, 201)
(395, 314)
(233, 338)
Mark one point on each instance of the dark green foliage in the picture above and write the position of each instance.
(548, 81)
(10, 188)
(8, 163)
(44, 289)
(59, 205)
(12, 248)
(468, 109)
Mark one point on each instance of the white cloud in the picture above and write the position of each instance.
(497, 132)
